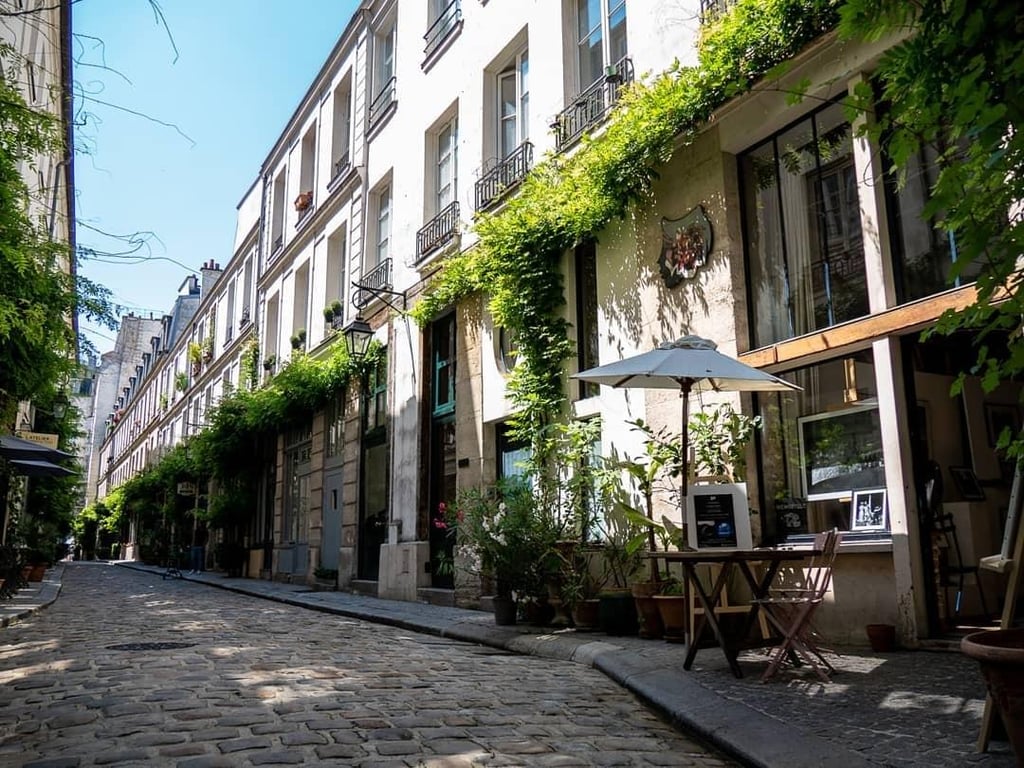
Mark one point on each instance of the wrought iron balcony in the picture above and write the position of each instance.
(438, 231)
(341, 165)
(377, 279)
(443, 26)
(710, 10)
(503, 177)
(382, 102)
(590, 107)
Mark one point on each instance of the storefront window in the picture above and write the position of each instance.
(922, 252)
(805, 251)
(821, 452)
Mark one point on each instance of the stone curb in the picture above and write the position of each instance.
(30, 599)
(744, 734)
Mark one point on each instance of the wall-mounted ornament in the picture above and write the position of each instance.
(686, 243)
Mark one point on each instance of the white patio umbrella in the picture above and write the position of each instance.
(689, 364)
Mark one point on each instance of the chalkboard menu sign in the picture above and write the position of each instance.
(716, 520)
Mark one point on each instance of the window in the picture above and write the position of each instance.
(334, 434)
(805, 252)
(277, 217)
(335, 288)
(383, 247)
(821, 447)
(307, 175)
(601, 40)
(587, 338)
(300, 304)
(447, 166)
(298, 451)
(513, 105)
(384, 77)
(444, 19)
(342, 129)
(443, 347)
(375, 397)
(923, 253)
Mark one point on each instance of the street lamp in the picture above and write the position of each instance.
(357, 337)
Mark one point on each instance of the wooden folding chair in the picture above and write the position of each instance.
(790, 611)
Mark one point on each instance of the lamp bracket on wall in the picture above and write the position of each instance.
(364, 294)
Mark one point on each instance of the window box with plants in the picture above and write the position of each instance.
(269, 363)
(298, 339)
(325, 579)
(333, 315)
(195, 357)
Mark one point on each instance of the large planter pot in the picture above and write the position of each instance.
(505, 610)
(1001, 656)
(586, 615)
(647, 613)
(673, 615)
(882, 637)
(618, 612)
(36, 572)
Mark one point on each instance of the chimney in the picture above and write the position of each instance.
(210, 272)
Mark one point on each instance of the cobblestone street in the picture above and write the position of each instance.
(127, 669)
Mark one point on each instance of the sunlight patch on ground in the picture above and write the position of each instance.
(943, 705)
(20, 673)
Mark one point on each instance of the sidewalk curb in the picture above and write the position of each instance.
(738, 731)
(28, 600)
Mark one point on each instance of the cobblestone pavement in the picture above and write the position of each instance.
(95, 680)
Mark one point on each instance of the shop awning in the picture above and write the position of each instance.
(38, 468)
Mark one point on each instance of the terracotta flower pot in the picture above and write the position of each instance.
(1001, 656)
(673, 615)
(647, 612)
(882, 637)
(586, 615)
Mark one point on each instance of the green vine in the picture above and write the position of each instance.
(565, 200)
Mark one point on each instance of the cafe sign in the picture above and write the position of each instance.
(42, 438)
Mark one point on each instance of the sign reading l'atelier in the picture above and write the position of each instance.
(43, 438)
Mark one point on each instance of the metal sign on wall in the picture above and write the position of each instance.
(43, 438)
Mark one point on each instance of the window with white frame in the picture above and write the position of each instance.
(601, 37)
(513, 105)
(277, 214)
(447, 166)
(443, 19)
(383, 75)
(382, 248)
(342, 128)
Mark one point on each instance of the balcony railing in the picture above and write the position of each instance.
(590, 107)
(378, 278)
(304, 214)
(443, 26)
(244, 321)
(382, 102)
(438, 231)
(278, 244)
(340, 166)
(713, 9)
(504, 177)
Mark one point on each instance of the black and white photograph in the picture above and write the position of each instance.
(868, 510)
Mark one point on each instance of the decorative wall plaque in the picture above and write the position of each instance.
(686, 243)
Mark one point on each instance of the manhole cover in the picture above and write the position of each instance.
(148, 646)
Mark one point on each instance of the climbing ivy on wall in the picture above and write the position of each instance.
(566, 199)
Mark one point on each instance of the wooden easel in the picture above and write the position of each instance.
(1001, 563)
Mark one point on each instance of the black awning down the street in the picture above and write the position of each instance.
(15, 448)
(38, 468)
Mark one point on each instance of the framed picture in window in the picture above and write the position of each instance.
(868, 510)
(967, 483)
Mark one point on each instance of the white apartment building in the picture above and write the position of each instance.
(818, 268)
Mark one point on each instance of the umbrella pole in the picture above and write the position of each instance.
(685, 386)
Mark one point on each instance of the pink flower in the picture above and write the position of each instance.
(442, 508)
(438, 523)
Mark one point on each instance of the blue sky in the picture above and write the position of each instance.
(241, 68)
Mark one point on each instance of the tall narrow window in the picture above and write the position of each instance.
(447, 167)
(335, 288)
(587, 339)
(342, 129)
(601, 37)
(383, 248)
(277, 220)
(513, 105)
(443, 343)
(383, 76)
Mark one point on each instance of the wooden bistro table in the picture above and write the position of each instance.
(730, 642)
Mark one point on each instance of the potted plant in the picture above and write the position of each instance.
(326, 578)
(181, 381)
(719, 437)
(163, 401)
(269, 363)
(195, 356)
(671, 602)
(304, 201)
(499, 534)
(331, 311)
(208, 347)
(298, 338)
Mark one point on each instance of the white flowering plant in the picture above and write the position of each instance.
(509, 538)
